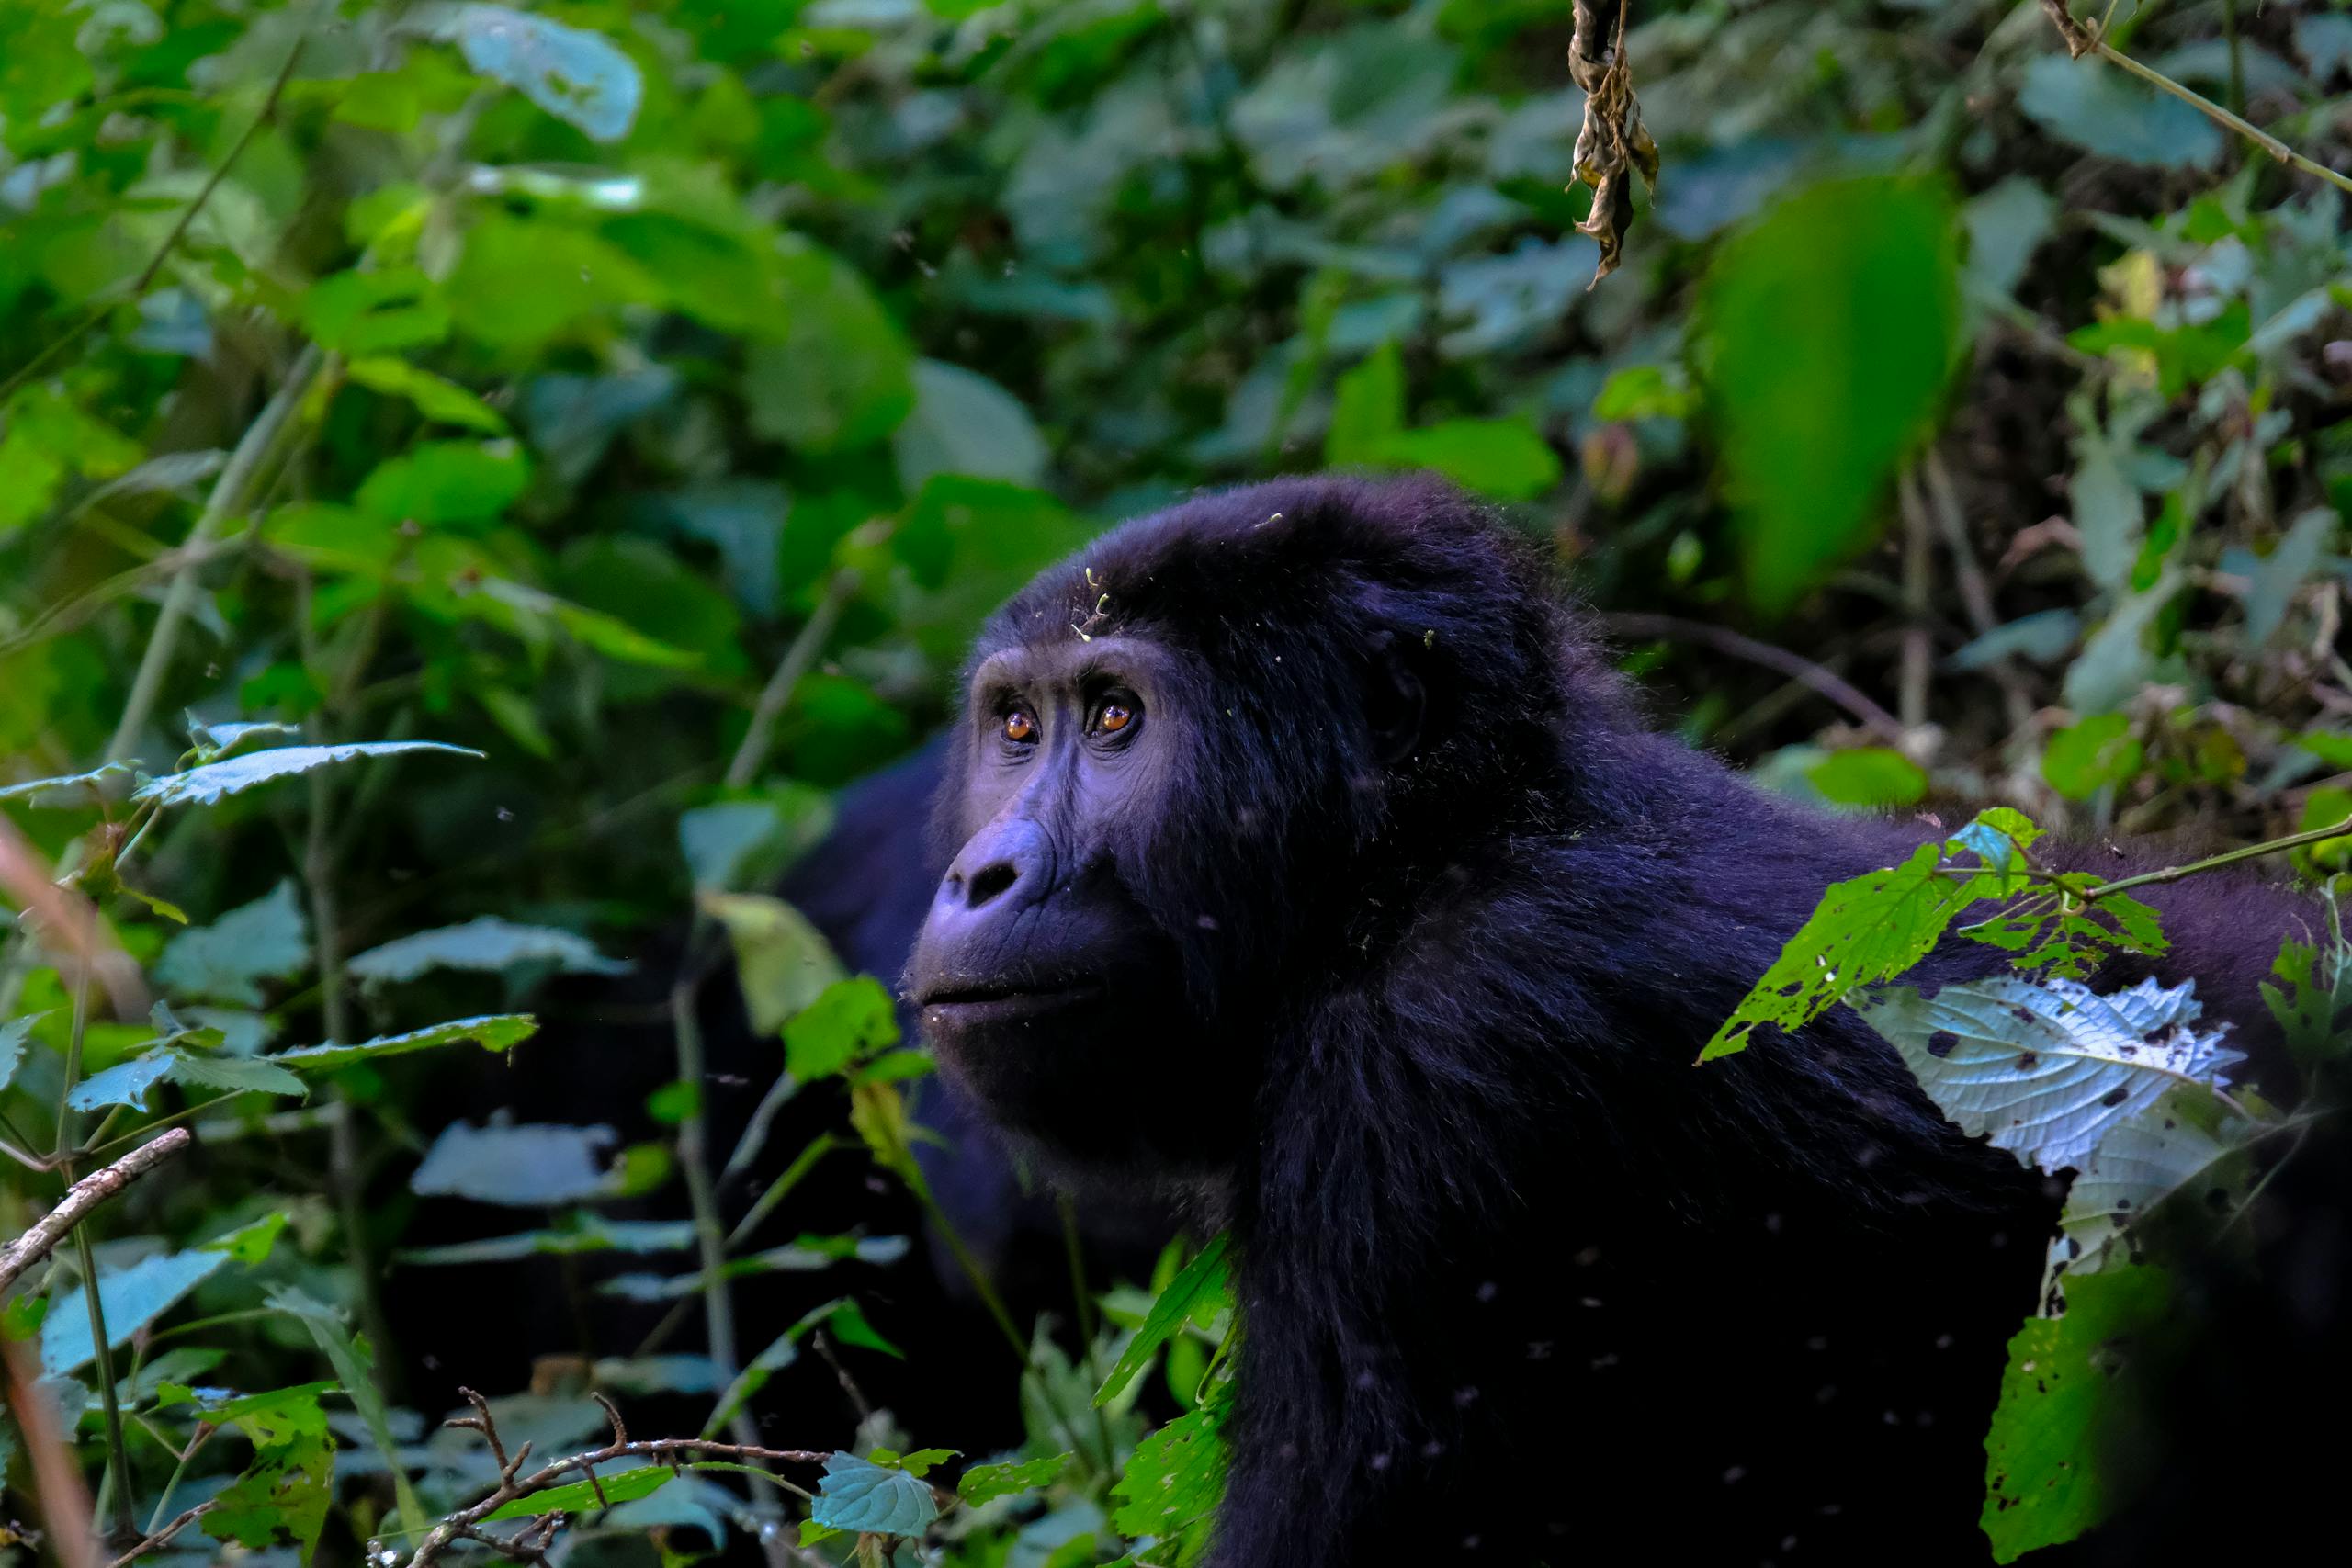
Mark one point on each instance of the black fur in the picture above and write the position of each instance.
(1519, 1279)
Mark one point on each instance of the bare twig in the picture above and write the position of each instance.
(465, 1524)
(81, 1197)
(1794, 666)
(2083, 37)
(156, 1540)
(794, 665)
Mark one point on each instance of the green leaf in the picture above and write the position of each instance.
(439, 399)
(850, 1020)
(492, 1031)
(582, 1233)
(447, 481)
(485, 945)
(2184, 1144)
(2045, 1453)
(2046, 1070)
(2101, 110)
(215, 782)
(857, 1495)
(920, 1462)
(1830, 330)
(234, 1075)
(1872, 928)
(523, 1166)
(1869, 776)
(841, 374)
(1645, 391)
(2085, 757)
(290, 1485)
(584, 1497)
(2115, 662)
(1202, 1289)
(226, 960)
(735, 844)
(252, 1243)
(131, 1298)
(1508, 458)
(13, 1036)
(986, 1482)
(1176, 1477)
(576, 75)
(782, 963)
(103, 784)
(965, 424)
(1368, 407)
(355, 1370)
(362, 313)
(520, 282)
(2333, 748)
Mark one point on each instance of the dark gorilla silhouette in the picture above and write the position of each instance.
(1310, 861)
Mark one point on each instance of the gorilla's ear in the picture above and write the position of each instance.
(1395, 702)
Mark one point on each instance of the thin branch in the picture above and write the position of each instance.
(156, 1540)
(464, 1524)
(81, 1197)
(230, 496)
(1723, 639)
(797, 659)
(2083, 38)
(147, 274)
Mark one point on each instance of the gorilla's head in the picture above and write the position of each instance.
(1206, 770)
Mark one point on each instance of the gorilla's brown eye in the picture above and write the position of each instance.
(1111, 717)
(1019, 727)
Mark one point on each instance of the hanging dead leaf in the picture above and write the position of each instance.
(1613, 142)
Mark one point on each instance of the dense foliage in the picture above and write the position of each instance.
(473, 479)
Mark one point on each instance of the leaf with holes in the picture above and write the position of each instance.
(581, 1496)
(2046, 1071)
(986, 1483)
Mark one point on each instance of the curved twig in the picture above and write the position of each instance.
(1723, 639)
(83, 1196)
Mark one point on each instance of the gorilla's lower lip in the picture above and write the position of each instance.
(994, 1004)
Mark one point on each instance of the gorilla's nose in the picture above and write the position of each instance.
(1005, 861)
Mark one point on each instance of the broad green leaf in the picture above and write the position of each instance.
(290, 1485)
(1508, 458)
(1176, 1477)
(226, 961)
(965, 424)
(2045, 1071)
(2186, 1144)
(849, 1020)
(1865, 929)
(574, 75)
(843, 375)
(2045, 1479)
(520, 282)
(1645, 391)
(782, 962)
(491, 1032)
(103, 784)
(215, 782)
(446, 482)
(584, 1233)
(486, 945)
(2333, 748)
(1201, 1289)
(986, 1482)
(736, 844)
(2115, 662)
(126, 1084)
(129, 1298)
(2101, 110)
(857, 1495)
(361, 314)
(583, 1496)
(2083, 759)
(1869, 776)
(1368, 407)
(440, 401)
(1829, 333)
(523, 1166)
(234, 1075)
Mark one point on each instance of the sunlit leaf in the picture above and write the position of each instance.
(131, 1298)
(485, 944)
(523, 1166)
(215, 782)
(986, 1482)
(572, 73)
(491, 1032)
(581, 1496)
(782, 963)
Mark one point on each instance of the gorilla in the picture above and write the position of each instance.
(1306, 860)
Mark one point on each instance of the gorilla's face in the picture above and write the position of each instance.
(1044, 982)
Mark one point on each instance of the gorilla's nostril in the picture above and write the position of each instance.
(991, 880)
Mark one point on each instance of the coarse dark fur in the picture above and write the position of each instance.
(1519, 1281)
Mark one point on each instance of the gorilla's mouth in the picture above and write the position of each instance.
(1003, 1001)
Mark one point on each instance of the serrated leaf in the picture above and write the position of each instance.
(127, 1084)
(486, 945)
(226, 961)
(13, 1036)
(848, 1020)
(2045, 1453)
(2045, 1071)
(525, 1165)
(584, 1233)
(986, 1483)
(131, 1298)
(1204, 1287)
(2139, 1164)
(215, 782)
(104, 783)
(1176, 1477)
(492, 1031)
(857, 1495)
(234, 1075)
(581, 1496)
